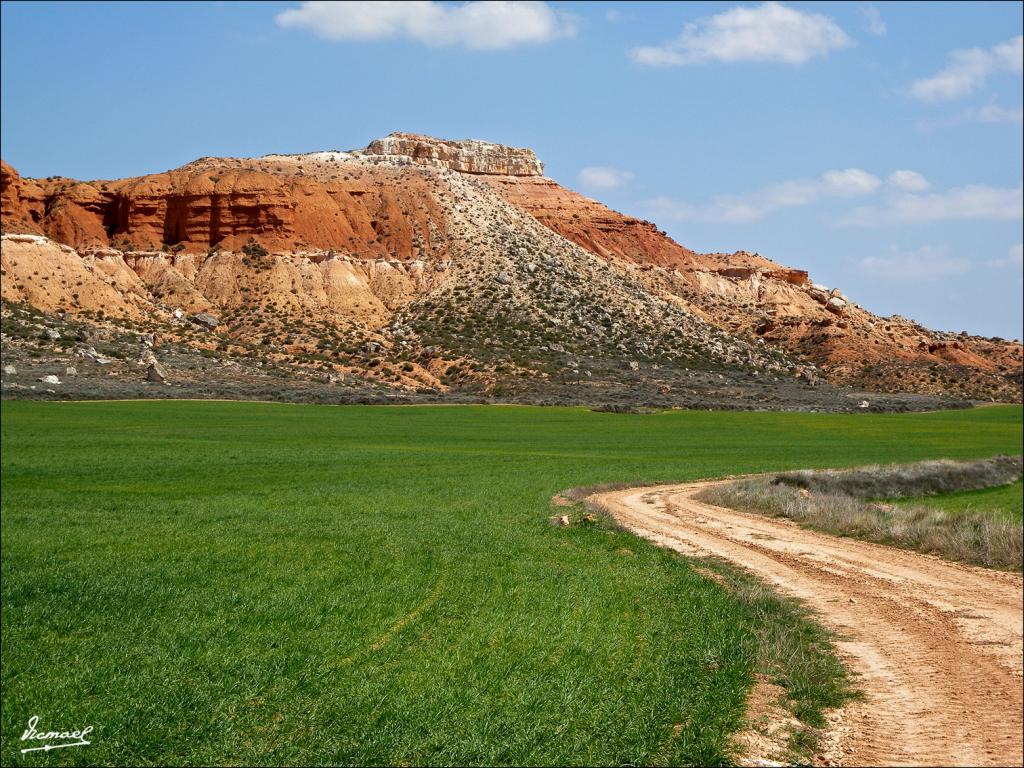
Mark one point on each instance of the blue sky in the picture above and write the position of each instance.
(877, 145)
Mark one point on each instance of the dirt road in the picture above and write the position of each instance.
(937, 645)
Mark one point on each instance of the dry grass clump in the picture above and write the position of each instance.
(923, 478)
(980, 537)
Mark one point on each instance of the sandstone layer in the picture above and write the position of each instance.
(457, 243)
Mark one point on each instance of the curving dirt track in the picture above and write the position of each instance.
(937, 645)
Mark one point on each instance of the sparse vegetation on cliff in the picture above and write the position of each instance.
(467, 246)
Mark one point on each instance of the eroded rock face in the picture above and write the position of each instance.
(467, 156)
(380, 212)
(588, 223)
(22, 210)
(49, 276)
(337, 237)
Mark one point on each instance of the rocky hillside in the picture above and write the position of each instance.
(452, 265)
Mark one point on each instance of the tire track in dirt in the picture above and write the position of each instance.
(937, 645)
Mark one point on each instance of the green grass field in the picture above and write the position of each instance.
(1004, 500)
(214, 583)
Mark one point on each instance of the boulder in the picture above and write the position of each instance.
(819, 292)
(96, 357)
(10, 370)
(49, 379)
(206, 320)
(835, 305)
(156, 373)
(51, 333)
(70, 371)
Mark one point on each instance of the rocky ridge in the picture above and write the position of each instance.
(463, 249)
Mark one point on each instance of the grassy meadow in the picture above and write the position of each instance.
(1005, 501)
(211, 583)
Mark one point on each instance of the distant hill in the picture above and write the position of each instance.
(444, 264)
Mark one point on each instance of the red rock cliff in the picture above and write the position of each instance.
(394, 201)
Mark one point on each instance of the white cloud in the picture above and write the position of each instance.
(768, 32)
(735, 209)
(908, 181)
(968, 69)
(612, 14)
(993, 113)
(971, 202)
(848, 183)
(474, 25)
(990, 114)
(873, 19)
(724, 209)
(926, 263)
(1010, 55)
(907, 201)
(602, 177)
(1014, 257)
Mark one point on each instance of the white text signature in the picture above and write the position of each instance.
(31, 734)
